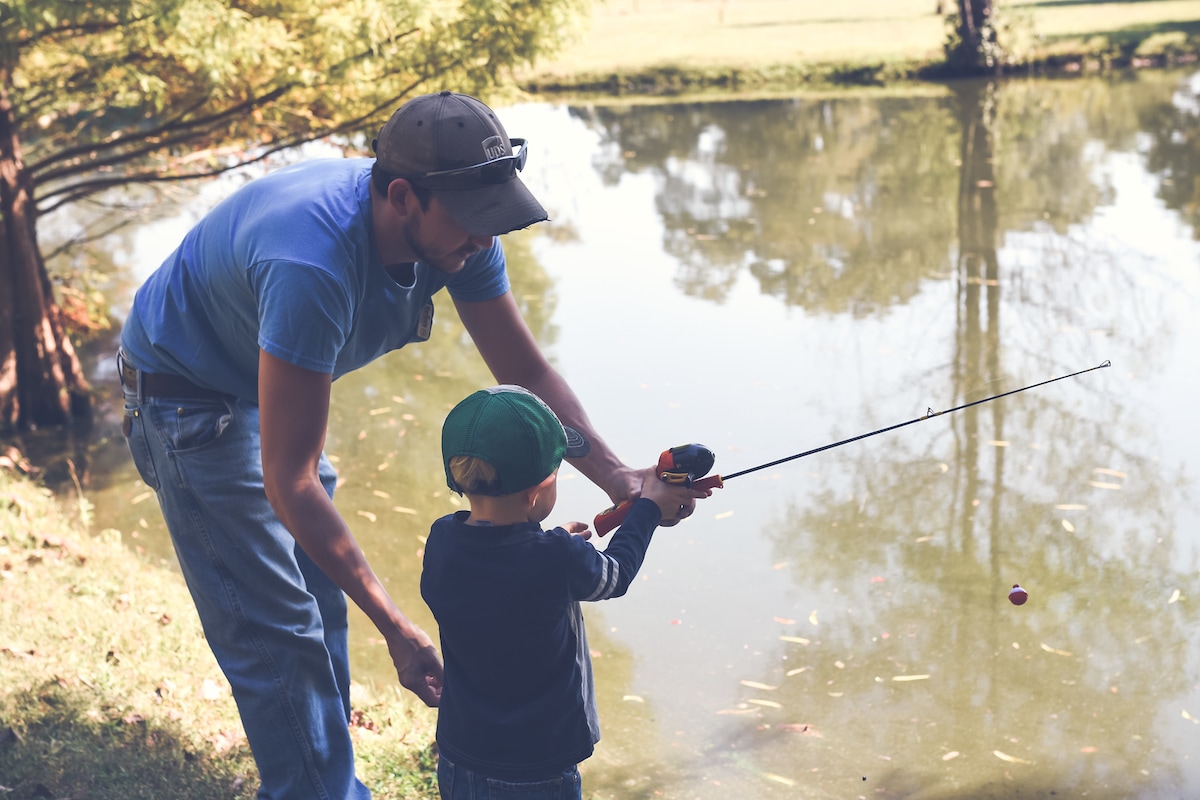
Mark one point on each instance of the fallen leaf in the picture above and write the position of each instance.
(210, 689)
(1175, 595)
(1088, 749)
(757, 685)
(1102, 485)
(796, 671)
(800, 727)
(1116, 473)
(767, 703)
(784, 620)
(1009, 759)
(727, 711)
(1189, 717)
(374, 412)
(1055, 651)
(794, 639)
(224, 741)
(379, 493)
(813, 618)
(1070, 507)
(403, 510)
(998, 443)
(877, 579)
(367, 514)
(771, 776)
(1066, 523)
(633, 698)
(910, 677)
(951, 755)
(724, 515)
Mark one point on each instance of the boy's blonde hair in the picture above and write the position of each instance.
(474, 475)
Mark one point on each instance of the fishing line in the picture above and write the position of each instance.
(930, 413)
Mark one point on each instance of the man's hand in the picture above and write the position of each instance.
(418, 666)
(676, 501)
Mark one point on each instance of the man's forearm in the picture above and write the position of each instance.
(601, 465)
(320, 530)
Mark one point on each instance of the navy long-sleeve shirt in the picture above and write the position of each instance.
(518, 701)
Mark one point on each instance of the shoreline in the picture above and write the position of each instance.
(671, 82)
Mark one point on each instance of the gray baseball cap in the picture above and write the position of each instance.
(455, 146)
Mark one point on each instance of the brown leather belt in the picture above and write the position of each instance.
(165, 385)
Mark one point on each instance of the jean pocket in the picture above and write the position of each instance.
(134, 428)
(550, 789)
(196, 425)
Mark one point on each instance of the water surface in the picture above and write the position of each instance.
(767, 277)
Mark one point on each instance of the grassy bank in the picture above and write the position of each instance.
(109, 692)
(678, 46)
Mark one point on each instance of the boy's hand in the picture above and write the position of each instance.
(676, 502)
(578, 529)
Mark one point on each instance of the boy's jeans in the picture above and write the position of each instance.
(276, 624)
(460, 783)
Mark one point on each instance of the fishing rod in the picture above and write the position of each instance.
(688, 464)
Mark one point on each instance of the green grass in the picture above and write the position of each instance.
(109, 692)
(672, 45)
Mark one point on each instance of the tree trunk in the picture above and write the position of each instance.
(975, 33)
(41, 381)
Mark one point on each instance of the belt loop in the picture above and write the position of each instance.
(122, 363)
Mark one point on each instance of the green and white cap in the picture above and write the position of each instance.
(510, 428)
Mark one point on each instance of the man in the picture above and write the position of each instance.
(227, 359)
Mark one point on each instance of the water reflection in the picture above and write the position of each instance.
(769, 276)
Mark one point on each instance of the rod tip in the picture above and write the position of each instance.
(1106, 363)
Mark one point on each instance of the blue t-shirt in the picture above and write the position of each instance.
(288, 264)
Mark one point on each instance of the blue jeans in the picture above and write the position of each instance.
(276, 624)
(459, 783)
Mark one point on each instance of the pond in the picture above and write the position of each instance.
(765, 277)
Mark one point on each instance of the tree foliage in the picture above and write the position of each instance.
(100, 94)
(106, 93)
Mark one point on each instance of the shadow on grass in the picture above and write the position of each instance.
(63, 750)
(1134, 34)
(1055, 3)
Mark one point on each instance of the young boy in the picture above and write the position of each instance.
(518, 708)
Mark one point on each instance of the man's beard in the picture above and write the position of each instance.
(449, 263)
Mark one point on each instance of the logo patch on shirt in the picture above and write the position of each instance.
(424, 323)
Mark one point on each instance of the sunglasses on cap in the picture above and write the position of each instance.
(498, 170)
